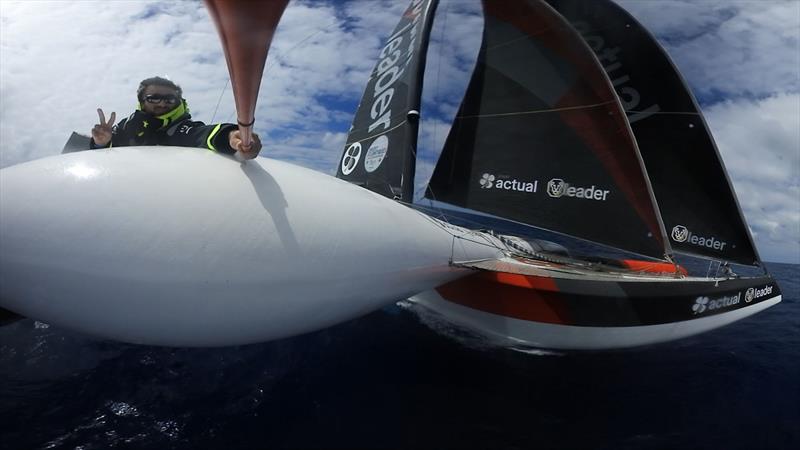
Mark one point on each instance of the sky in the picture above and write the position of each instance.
(60, 61)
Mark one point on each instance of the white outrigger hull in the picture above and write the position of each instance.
(185, 247)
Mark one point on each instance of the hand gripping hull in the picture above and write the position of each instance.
(573, 310)
(185, 247)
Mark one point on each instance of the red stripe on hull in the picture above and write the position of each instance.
(519, 296)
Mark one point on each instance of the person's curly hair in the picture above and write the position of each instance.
(157, 81)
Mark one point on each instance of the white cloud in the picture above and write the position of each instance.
(729, 47)
(760, 144)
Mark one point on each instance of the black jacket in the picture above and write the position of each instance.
(141, 128)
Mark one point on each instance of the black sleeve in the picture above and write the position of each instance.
(198, 134)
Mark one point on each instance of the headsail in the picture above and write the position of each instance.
(695, 196)
(245, 29)
(380, 152)
(541, 137)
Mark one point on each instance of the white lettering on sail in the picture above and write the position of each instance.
(628, 95)
(557, 188)
(390, 69)
(489, 181)
(682, 234)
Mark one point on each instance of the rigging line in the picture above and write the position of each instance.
(673, 113)
(438, 79)
(272, 63)
(541, 111)
(220, 99)
(484, 240)
(372, 136)
(301, 42)
(435, 122)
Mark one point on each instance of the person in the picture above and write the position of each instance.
(162, 118)
(727, 271)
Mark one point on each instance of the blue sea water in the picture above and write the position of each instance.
(401, 378)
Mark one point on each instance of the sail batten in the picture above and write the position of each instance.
(542, 138)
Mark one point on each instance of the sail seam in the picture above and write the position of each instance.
(372, 136)
(568, 108)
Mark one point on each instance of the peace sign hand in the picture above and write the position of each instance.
(101, 133)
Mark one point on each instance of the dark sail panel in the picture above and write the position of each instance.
(541, 138)
(697, 202)
(381, 148)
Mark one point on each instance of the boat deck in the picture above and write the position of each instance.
(578, 270)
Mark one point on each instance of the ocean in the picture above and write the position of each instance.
(403, 378)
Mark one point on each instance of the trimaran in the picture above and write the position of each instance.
(574, 121)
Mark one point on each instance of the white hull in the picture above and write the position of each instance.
(184, 247)
(567, 337)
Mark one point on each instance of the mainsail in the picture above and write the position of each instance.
(694, 193)
(380, 152)
(541, 137)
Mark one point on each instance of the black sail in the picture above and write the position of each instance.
(541, 138)
(380, 152)
(698, 204)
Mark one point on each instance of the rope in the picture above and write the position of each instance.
(214, 116)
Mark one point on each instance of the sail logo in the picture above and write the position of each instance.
(682, 234)
(753, 293)
(555, 187)
(703, 304)
(376, 153)
(351, 157)
(489, 181)
(558, 188)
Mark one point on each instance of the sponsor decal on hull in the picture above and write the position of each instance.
(756, 293)
(703, 304)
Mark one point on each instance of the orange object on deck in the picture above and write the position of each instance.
(653, 266)
(246, 29)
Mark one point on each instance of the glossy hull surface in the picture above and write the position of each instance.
(185, 247)
(552, 307)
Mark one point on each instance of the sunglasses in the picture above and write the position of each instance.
(157, 98)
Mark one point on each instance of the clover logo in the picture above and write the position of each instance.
(680, 233)
(487, 181)
(350, 158)
(700, 305)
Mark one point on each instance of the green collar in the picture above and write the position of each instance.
(176, 113)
